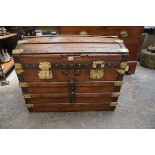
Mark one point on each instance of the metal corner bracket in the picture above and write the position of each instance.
(17, 51)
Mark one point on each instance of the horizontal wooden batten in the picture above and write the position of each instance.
(61, 84)
(70, 107)
(64, 95)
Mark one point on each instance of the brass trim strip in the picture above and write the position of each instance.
(23, 84)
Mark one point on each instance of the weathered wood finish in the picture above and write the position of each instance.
(58, 94)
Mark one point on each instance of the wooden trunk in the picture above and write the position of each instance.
(70, 73)
(130, 34)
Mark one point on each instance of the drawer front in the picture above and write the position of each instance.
(130, 34)
(65, 68)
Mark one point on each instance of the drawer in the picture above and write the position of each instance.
(130, 34)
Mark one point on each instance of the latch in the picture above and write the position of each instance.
(45, 71)
(98, 70)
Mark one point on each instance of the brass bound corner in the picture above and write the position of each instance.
(121, 71)
(26, 95)
(22, 42)
(113, 104)
(123, 65)
(18, 68)
(115, 94)
(23, 84)
(17, 51)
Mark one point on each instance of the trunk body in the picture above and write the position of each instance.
(70, 73)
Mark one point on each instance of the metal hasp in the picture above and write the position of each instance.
(45, 71)
(98, 71)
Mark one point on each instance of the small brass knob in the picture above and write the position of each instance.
(123, 34)
(83, 33)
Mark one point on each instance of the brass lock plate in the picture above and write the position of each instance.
(96, 74)
(45, 71)
(98, 71)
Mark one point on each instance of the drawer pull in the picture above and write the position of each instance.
(123, 34)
